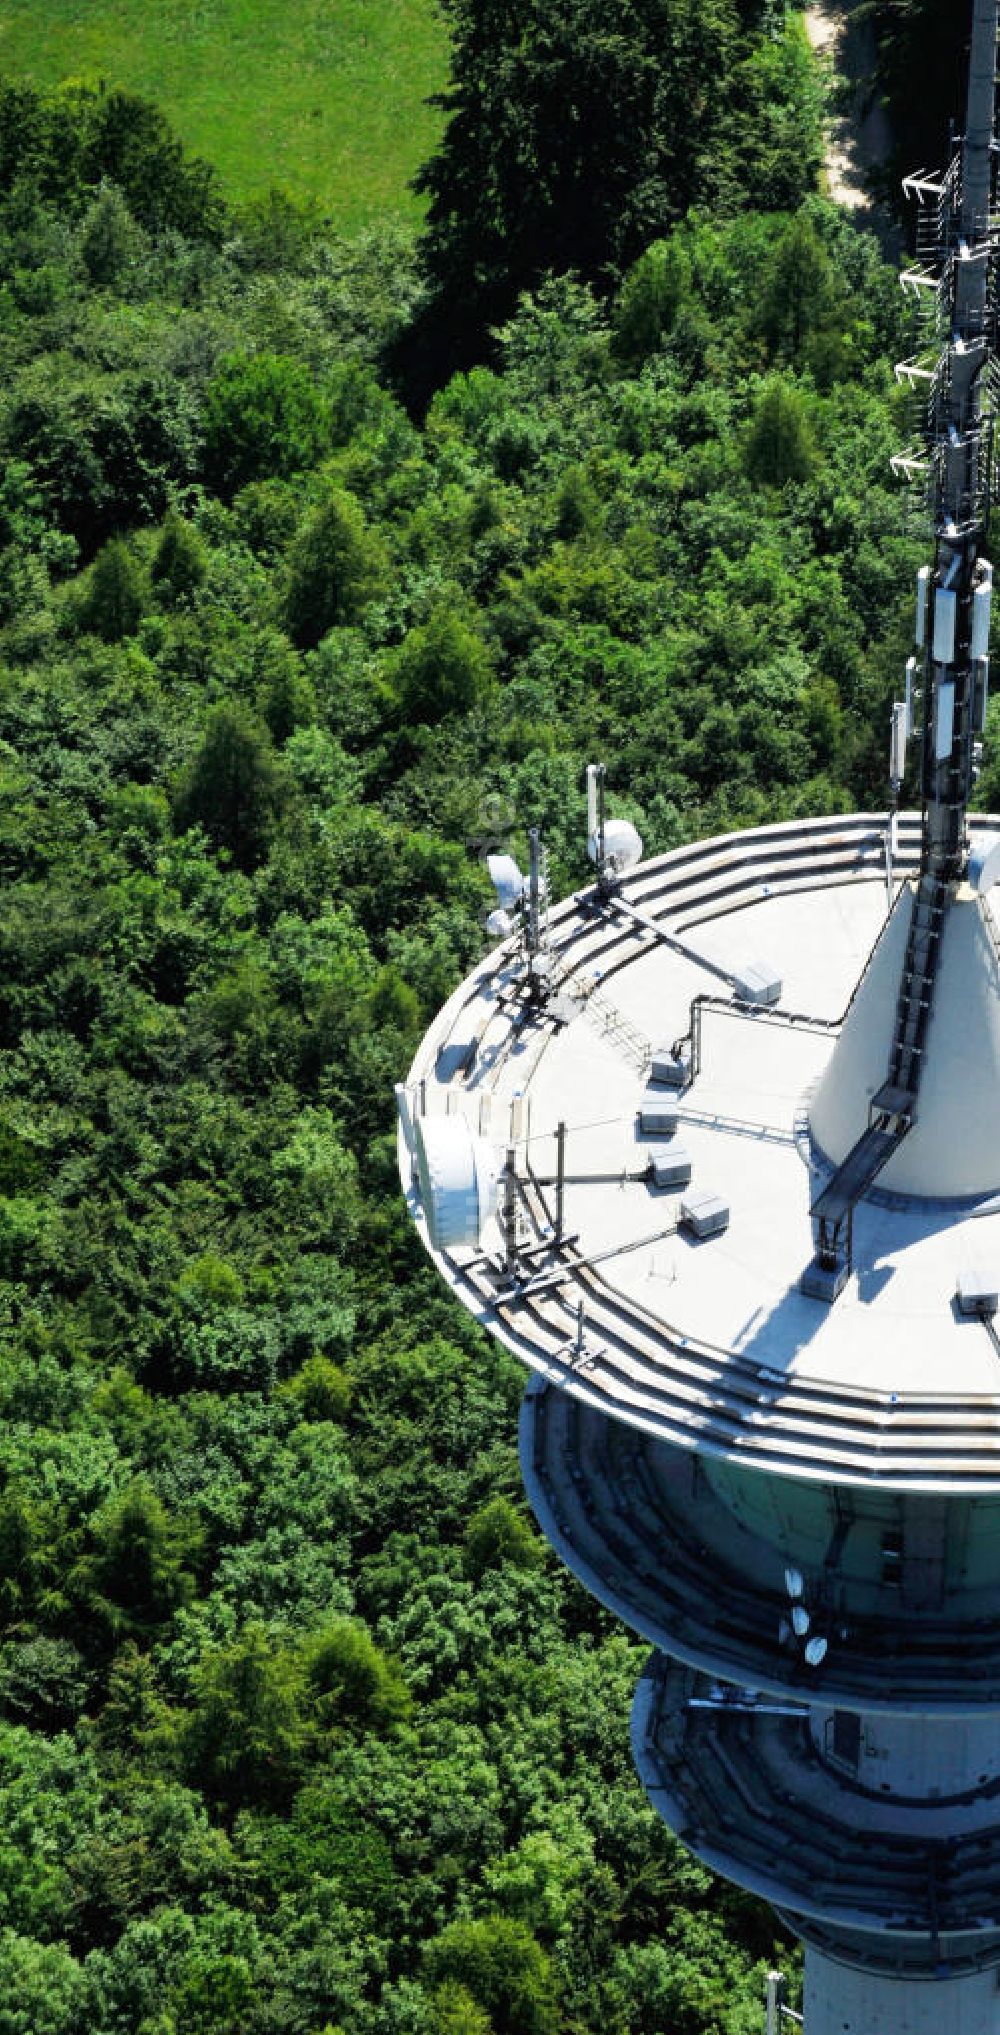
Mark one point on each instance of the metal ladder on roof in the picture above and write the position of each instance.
(892, 1110)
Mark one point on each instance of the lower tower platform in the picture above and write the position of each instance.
(796, 1504)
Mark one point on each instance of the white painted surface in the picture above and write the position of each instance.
(954, 1147)
(841, 2001)
(895, 1330)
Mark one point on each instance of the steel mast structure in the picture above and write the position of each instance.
(955, 281)
(718, 1158)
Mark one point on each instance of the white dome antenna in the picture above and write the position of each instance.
(506, 879)
(614, 846)
(458, 1175)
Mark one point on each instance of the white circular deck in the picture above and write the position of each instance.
(712, 1344)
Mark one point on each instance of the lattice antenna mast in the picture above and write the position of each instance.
(957, 268)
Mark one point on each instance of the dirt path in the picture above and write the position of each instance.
(859, 137)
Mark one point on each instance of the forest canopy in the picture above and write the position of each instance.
(302, 1729)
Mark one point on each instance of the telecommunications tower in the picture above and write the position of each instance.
(714, 1148)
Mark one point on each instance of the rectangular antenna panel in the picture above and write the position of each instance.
(923, 586)
(757, 982)
(911, 683)
(982, 601)
(945, 626)
(981, 694)
(897, 745)
(591, 800)
(944, 726)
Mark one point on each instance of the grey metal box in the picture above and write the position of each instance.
(824, 1282)
(670, 1166)
(757, 982)
(705, 1213)
(658, 1123)
(978, 1290)
(669, 1068)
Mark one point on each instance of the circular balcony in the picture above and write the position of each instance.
(642, 1527)
(916, 1886)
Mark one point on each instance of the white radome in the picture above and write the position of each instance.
(622, 846)
(459, 1175)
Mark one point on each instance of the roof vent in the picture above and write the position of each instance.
(657, 1123)
(670, 1166)
(758, 983)
(704, 1214)
(978, 1291)
(669, 1068)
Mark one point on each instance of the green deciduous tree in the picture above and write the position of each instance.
(263, 417)
(505, 1969)
(443, 667)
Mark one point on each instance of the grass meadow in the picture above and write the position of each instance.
(324, 97)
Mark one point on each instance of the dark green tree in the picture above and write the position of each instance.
(442, 668)
(179, 561)
(798, 296)
(138, 1567)
(780, 444)
(335, 566)
(576, 130)
(233, 786)
(650, 297)
(499, 1533)
(110, 241)
(116, 595)
(352, 1680)
(244, 1737)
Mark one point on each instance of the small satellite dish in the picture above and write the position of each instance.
(499, 924)
(506, 879)
(801, 1621)
(622, 846)
(793, 1583)
(458, 1175)
(815, 1652)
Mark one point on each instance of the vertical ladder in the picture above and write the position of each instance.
(916, 990)
(893, 1106)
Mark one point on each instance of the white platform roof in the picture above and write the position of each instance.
(712, 1344)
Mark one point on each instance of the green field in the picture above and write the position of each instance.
(325, 97)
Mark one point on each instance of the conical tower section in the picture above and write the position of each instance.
(915, 1062)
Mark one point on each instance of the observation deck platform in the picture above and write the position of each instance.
(645, 1532)
(745, 1787)
(712, 1345)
